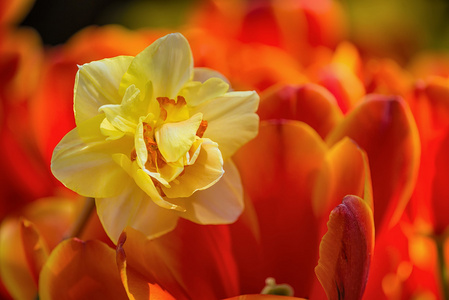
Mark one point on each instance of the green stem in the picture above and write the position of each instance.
(83, 218)
(442, 270)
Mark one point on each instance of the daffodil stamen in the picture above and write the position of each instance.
(201, 129)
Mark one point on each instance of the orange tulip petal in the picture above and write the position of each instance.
(346, 250)
(135, 284)
(36, 250)
(404, 263)
(278, 170)
(440, 190)
(14, 271)
(24, 244)
(384, 127)
(345, 172)
(81, 270)
(308, 103)
(340, 77)
(431, 110)
(192, 261)
(262, 297)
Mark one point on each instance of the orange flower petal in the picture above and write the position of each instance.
(345, 172)
(340, 77)
(431, 110)
(193, 261)
(24, 244)
(384, 127)
(36, 250)
(346, 250)
(404, 264)
(135, 284)
(14, 271)
(81, 270)
(278, 170)
(262, 297)
(309, 103)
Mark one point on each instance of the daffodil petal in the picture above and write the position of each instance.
(140, 146)
(203, 74)
(233, 112)
(167, 63)
(153, 220)
(206, 171)
(134, 208)
(194, 152)
(170, 171)
(175, 139)
(74, 157)
(97, 84)
(110, 131)
(116, 213)
(131, 168)
(222, 203)
(125, 116)
(144, 181)
(196, 92)
(123, 161)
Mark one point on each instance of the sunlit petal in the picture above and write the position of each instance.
(384, 127)
(201, 270)
(343, 173)
(175, 139)
(205, 172)
(35, 248)
(81, 270)
(203, 74)
(136, 209)
(222, 203)
(14, 271)
(97, 84)
(73, 156)
(291, 153)
(346, 250)
(308, 103)
(167, 63)
(233, 112)
(196, 92)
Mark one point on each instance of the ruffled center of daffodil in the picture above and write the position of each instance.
(167, 141)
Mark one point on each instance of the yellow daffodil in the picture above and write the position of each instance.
(154, 138)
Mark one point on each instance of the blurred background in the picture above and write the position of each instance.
(381, 27)
(57, 20)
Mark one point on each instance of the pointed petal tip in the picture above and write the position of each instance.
(346, 249)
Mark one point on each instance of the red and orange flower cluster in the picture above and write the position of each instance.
(345, 186)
